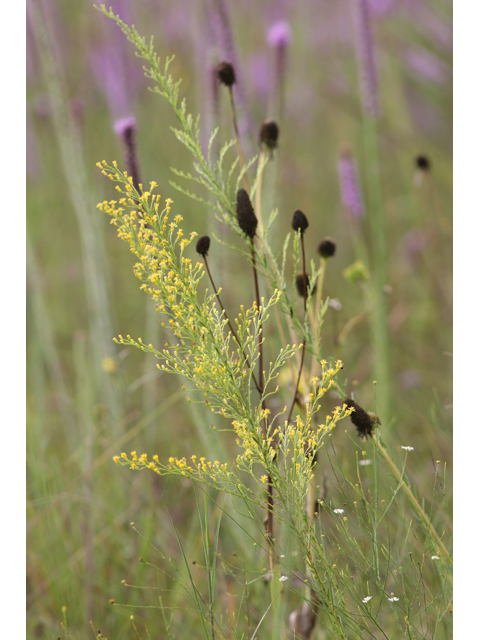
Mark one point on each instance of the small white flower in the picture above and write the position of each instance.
(435, 557)
(283, 578)
(335, 304)
(282, 556)
(393, 599)
(367, 599)
(338, 511)
(407, 448)
(364, 463)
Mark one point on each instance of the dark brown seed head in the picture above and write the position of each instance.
(226, 73)
(422, 162)
(247, 220)
(299, 221)
(301, 288)
(203, 245)
(269, 132)
(327, 248)
(363, 422)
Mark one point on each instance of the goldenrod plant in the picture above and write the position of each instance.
(351, 574)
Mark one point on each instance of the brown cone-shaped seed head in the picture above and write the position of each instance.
(299, 221)
(300, 285)
(226, 73)
(422, 162)
(203, 245)
(269, 133)
(247, 220)
(327, 248)
(363, 422)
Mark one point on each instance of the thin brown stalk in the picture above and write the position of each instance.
(303, 345)
(259, 389)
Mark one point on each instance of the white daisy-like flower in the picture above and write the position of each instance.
(338, 511)
(364, 463)
(282, 556)
(367, 599)
(435, 557)
(407, 448)
(283, 578)
(393, 599)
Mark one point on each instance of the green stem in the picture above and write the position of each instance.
(237, 139)
(416, 505)
(380, 336)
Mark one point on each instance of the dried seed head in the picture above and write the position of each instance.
(327, 248)
(203, 245)
(301, 289)
(299, 221)
(363, 422)
(247, 220)
(422, 163)
(269, 132)
(226, 73)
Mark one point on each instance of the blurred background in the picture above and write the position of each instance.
(89, 399)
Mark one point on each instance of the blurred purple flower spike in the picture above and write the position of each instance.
(279, 34)
(381, 7)
(426, 65)
(126, 128)
(109, 74)
(278, 37)
(122, 125)
(367, 71)
(350, 189)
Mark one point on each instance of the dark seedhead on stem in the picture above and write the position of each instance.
(327, 248)
(363, 421)
(203, 245)
(269, 133)
(302, 284)
(422, 163)
(226, 73)
(299, 221)
(247, 220)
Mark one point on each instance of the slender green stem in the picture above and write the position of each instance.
(416, 505)
(380, 334)
(237, 139)
(316, 323)
(258, 193)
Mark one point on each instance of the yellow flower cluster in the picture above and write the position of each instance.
(200, 469)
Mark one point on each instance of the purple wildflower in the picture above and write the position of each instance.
(109, 72)
(258, 72)
(279, 34)
(126, 129)
(349, 184)
(426, 65)
(381, 7)
(367, 71)
(278, 37)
